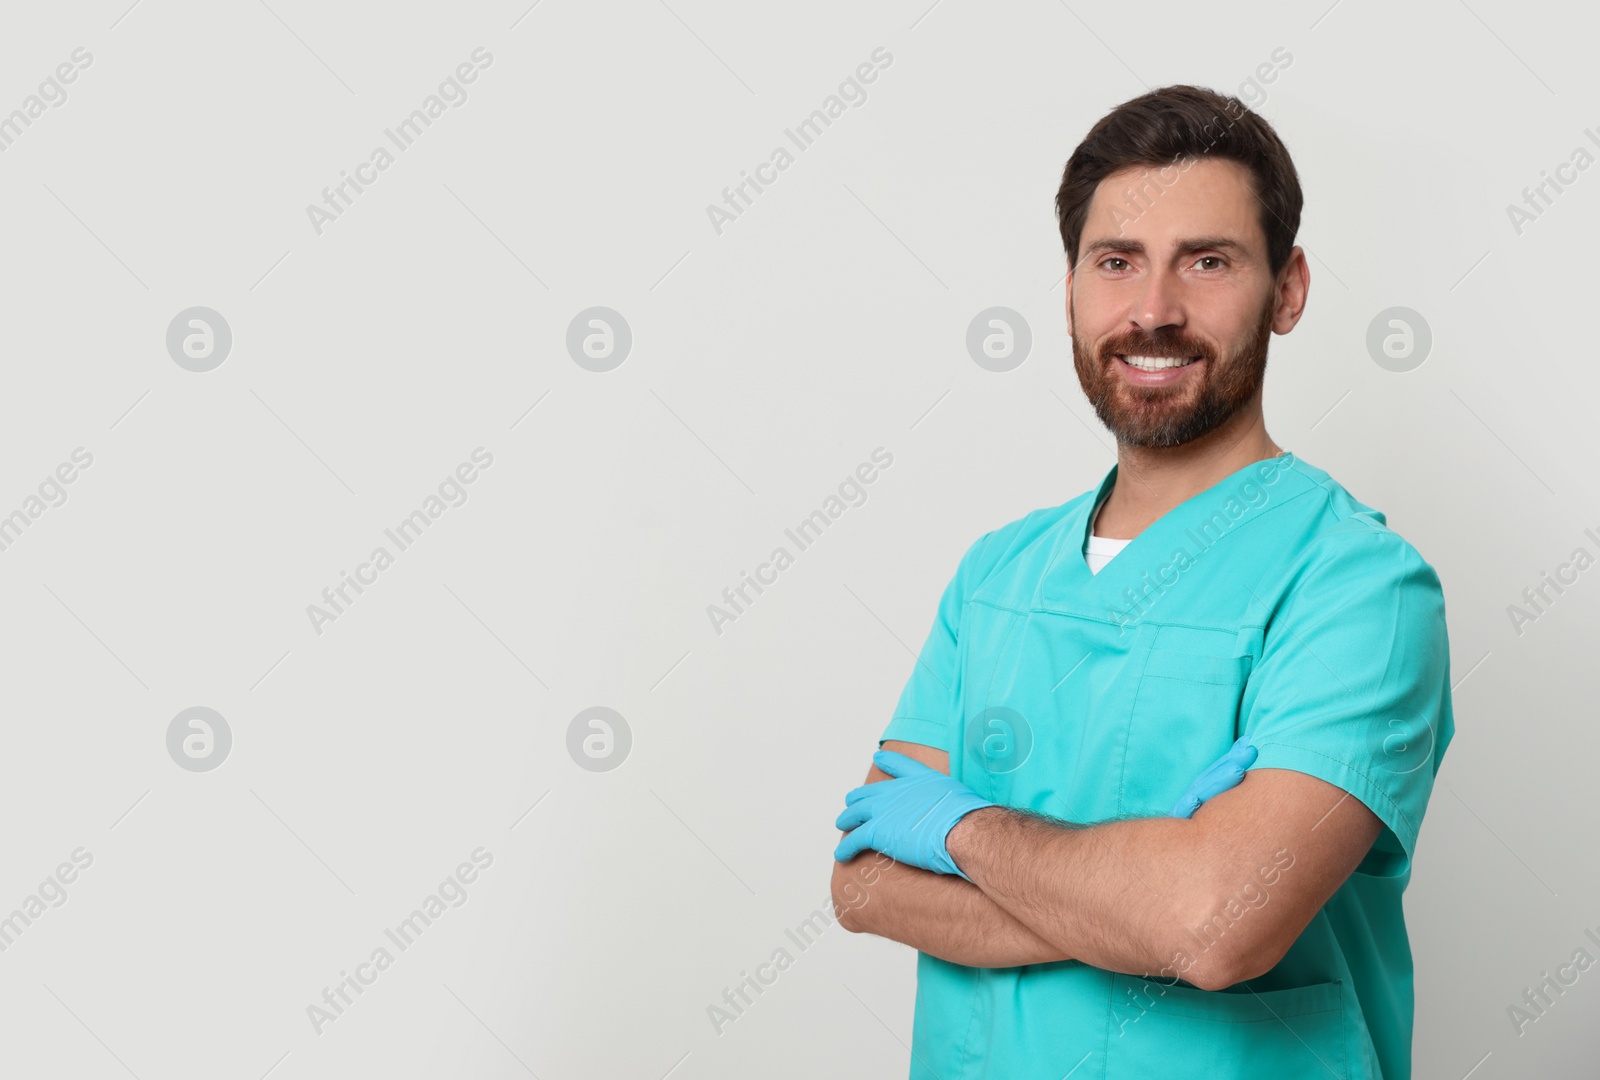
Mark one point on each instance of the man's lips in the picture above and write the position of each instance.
(1186, 360)
(1162, 376)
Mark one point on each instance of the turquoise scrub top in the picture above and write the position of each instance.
(1273, 604)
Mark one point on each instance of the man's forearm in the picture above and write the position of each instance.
(939, 914)
(1118, 895)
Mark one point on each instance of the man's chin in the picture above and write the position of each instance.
(1149, 415)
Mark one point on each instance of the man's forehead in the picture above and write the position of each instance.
(1213, 199)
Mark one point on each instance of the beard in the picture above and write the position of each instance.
(1165, 416)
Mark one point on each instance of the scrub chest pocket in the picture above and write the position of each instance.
(1185, 715)
(1068, 717)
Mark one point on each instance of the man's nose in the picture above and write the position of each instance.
(1159, 303)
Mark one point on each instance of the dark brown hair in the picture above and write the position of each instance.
(1162, 127)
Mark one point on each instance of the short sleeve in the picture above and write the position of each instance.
(926, 712)
(1353, 684)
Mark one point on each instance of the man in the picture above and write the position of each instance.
(1089, 659)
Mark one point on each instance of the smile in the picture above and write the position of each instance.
(1157, 363)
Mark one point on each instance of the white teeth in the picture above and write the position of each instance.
(1155, 363)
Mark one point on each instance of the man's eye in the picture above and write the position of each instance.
(1210, 258)
(1114, 259)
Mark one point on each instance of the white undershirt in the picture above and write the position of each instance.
(1099, 549)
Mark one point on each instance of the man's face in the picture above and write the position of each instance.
(1181, 273)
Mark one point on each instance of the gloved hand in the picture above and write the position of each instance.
(907, 817)
(1221, 775)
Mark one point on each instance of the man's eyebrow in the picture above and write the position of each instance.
(1185, 247)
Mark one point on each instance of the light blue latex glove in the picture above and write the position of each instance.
(908, 817)
(1222, 774)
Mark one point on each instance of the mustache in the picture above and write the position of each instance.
(1158, 345)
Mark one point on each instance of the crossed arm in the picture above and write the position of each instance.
(1144, 896)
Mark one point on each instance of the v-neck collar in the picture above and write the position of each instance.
(1070, 587)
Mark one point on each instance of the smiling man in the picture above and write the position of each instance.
(1088, 660)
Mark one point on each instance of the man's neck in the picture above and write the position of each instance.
(1152, 481)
